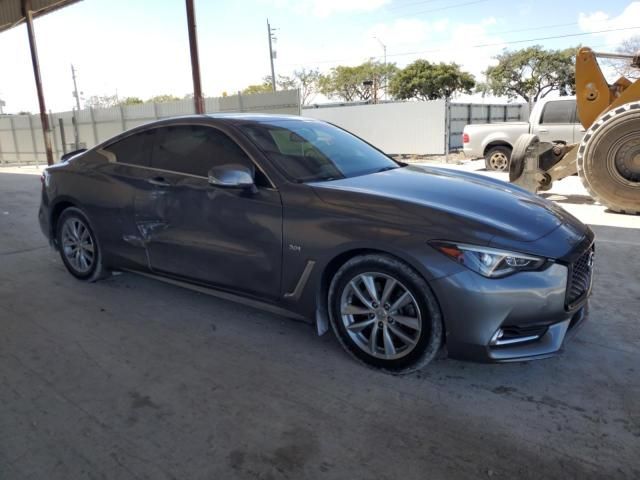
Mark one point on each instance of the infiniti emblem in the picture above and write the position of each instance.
(590, 260)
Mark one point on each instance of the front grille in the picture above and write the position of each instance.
(579, 278)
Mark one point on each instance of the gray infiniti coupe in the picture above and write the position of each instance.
(301, 217)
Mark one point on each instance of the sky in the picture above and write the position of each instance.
(141, 48)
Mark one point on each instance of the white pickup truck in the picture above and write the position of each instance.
(552, 120)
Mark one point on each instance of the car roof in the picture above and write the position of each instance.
(253, 117)
(213, 118)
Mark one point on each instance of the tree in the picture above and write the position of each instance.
(101, 101)
(532, 73)
(130, 101)
(164, 98)
(363, 82)
(284, 82)
(630, 46)
(430, 81)
(308, 83)
(264, 87)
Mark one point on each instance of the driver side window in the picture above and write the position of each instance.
(194, 150)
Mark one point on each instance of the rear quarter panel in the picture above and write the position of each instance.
(88, 182)
(481, 135)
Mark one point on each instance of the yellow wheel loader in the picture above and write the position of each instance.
(608, 157)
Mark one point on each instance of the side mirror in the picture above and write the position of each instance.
(232, 176)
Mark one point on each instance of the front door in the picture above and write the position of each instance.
(229, 238)
(558, 121)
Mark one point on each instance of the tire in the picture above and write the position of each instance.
(521, 149)
(609, 159)
(415, 340)
(497, 158)
(76, 241)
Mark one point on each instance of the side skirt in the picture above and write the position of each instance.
(224, 295)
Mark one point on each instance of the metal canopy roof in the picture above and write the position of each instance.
(11, 10)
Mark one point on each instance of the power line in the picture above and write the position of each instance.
(405, 5)
(484, 45)
(543, 27)
(422, 12)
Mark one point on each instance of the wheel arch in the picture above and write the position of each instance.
(496, 143)
(60, 206)
(330, 268)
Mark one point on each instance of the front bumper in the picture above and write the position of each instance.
(528, 307)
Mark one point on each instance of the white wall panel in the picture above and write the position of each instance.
(395, 128)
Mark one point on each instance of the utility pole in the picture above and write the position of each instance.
(384, 49)
(271, 54)
(75, 87)
(76, 111)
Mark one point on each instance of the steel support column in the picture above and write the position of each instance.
(198, 100)
(28, 15)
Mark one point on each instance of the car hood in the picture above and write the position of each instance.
(505, 210)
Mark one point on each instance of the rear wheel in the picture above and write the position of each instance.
(497, 158)
(384, 314)
(609, 159)
(78, 245)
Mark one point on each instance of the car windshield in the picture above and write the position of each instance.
(309, 151)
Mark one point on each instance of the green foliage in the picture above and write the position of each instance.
(363, 82)
(285, 83)
(101, 101)
(264, 87)
(130, 101)
(532, 73)
(308, 81)
(163, 98)
(429, 81)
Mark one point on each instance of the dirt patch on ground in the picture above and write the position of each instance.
(453, 158)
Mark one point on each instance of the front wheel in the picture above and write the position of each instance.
(609, 159)
(79, 248)
(384, 314)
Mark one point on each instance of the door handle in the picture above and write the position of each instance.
(543, 130)
(159, 181)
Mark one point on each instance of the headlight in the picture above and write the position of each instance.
(489, 262)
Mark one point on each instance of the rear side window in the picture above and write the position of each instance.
(562, 111)
(134, 150)
(194, 150)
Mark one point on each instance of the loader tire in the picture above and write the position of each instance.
(609, 159)
(521, 149)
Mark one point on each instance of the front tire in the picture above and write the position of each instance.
(384, 314)
(78, 246)
(609, 159)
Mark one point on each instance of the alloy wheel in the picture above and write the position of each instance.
(380, 315)
(77, 245)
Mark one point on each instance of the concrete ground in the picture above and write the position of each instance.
(130, 378)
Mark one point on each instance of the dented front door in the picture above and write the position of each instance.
(227, 238)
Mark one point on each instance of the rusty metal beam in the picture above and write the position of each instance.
(198, 100)
(28, 15)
